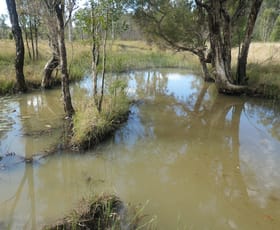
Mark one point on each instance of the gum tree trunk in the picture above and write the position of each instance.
(53, 63)
(104, 58)
(95, 51)
(68, 108)
(242, 58)
(219, 23)
(19, 60)
(220, 31)
(203, 62)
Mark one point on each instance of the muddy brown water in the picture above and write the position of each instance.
(194, 159)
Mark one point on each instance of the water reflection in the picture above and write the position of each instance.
(32, 122)
(203, 160)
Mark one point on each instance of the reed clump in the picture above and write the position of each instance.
(104, 212)
(91, 126)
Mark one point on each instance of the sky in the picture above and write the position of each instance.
(3, 8)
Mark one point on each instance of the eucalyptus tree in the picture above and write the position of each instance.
(275, 35)
(96, 19)
(269, 13)
(241, 77)
(222, 16)
(4, 29)
(190, 25)
(19, 60)
(177, 24)
(57, 8)
(30, 20)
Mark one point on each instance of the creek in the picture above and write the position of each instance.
(193, 158)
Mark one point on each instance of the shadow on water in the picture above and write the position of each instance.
(203, 160)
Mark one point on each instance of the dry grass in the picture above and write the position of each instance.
(33, 70)
(261, 54)
(263, 67)
(122, 56)
(263, 61)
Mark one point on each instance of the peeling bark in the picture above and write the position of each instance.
(68, 108)
(53, 63)
(206, 75)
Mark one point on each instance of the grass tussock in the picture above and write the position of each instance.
(91, 126)
(104, 212)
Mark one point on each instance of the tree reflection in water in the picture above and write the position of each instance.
(212, 159)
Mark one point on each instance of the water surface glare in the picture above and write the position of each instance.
(201, 160)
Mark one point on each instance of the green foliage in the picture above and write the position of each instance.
(99, 15)
(6, 86)
(177, 24)
(275, 35)
(4, 29)
(267, 20)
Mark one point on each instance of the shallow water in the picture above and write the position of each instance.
(195, 159)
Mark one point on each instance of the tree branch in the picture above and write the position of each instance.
(203, 5)
(239, 11)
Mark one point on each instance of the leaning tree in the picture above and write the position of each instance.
(52, 29)
(57, 8)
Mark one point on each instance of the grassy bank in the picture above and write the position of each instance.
(122, 56)
(263, 68)
(263, 62)
(33, 70)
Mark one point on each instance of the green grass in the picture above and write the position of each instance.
(104, 212)
(122, 62)
(78, 60)
(263, 68)
(266, 77)
(122, 56)
(96, 212)
(91, 126)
